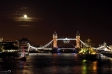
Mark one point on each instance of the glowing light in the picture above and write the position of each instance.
(93, 53)
(84, 60)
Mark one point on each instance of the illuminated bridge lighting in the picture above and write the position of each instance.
(49, 43)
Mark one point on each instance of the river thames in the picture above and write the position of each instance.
(60, 63)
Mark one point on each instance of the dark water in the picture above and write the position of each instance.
(48, 63)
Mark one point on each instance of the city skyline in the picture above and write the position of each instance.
(37, 20)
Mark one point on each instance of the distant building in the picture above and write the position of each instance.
(23, 43)
(88, 41)
(1, 39)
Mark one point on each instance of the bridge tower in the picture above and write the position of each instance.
(78, 40)
(55, 40)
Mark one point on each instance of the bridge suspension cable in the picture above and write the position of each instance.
(45, 45)
(84, 43)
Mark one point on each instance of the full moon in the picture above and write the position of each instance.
(25, 16)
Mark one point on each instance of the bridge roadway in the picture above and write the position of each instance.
(51, 48)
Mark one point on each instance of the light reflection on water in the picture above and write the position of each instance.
(63, 63)
(89, 67)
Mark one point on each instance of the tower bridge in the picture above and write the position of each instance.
(53, 44)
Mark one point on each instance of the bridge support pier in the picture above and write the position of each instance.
(77, 50)
(55, 47)
(54, 50)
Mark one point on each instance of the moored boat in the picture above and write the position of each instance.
(87, 53)
(22, 56)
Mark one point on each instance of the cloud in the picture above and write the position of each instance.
(26, 26)
(29, 19)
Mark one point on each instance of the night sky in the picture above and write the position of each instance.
(92, 18)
